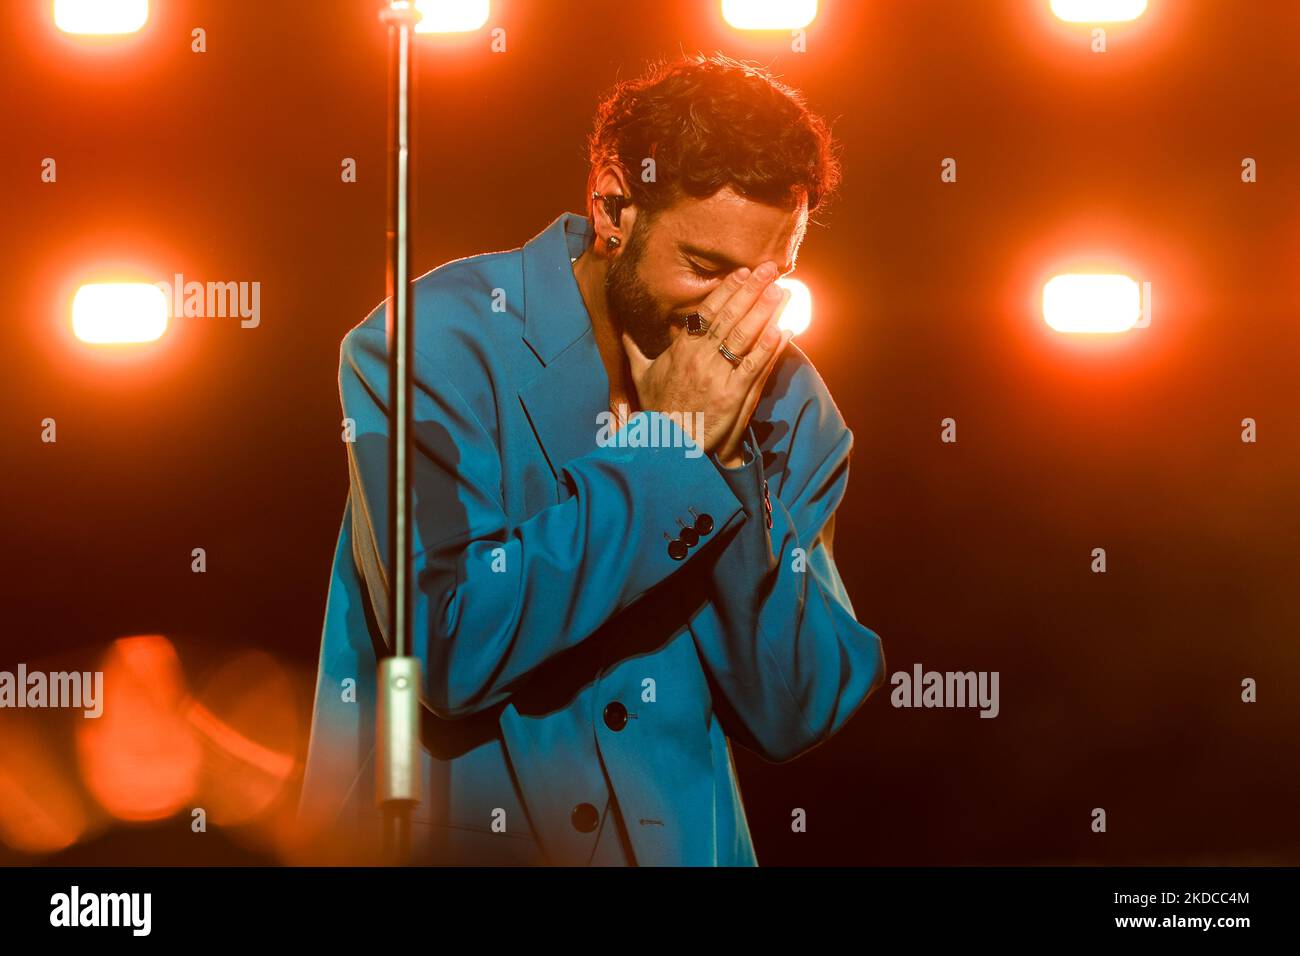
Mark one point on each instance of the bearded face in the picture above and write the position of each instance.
(632, 307)
(673, 258)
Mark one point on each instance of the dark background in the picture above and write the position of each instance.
(1119, 690)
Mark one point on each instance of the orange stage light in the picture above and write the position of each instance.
(769, 14)
(797, 315)
(100, 16)
(1098, 11)
(1077, 302)
(451, 16)
(119, 313)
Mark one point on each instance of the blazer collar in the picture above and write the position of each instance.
(565, 396)
(554, 313)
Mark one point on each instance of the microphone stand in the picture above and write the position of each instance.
(397, 725)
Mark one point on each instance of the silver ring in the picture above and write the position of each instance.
(730, 356)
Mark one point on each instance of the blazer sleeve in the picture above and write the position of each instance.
(493, 599)
(780, 639)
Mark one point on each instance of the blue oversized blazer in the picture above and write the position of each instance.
(581, 686)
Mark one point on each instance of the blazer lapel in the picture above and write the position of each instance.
(563, 399)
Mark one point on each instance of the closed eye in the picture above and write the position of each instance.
(704, 273)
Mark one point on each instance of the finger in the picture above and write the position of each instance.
(757, 335)
(713, 303)
(733, 308)
(760, 381)
(784, 337)
(745, 334)
(755, 393)
(635, 359)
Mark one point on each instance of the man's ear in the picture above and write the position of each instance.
(612, 182)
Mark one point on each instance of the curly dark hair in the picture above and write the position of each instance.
(709, 122)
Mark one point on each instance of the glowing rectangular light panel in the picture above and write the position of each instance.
(100, 16)
(451, 16)
(119, 313)
(1092, 303)
(769, 14)
(1098, 11)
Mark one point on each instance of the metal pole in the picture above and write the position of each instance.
(397, 725)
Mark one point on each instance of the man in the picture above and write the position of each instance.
(597, 618)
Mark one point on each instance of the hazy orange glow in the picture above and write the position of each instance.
(156, 751)
(1092, 303)
(769, 14)
(451, 16)
(100, 16)
(119, 312)
(141, 759)
(797, 315)
(41, 810)
(1098, 11)
(247, 723)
